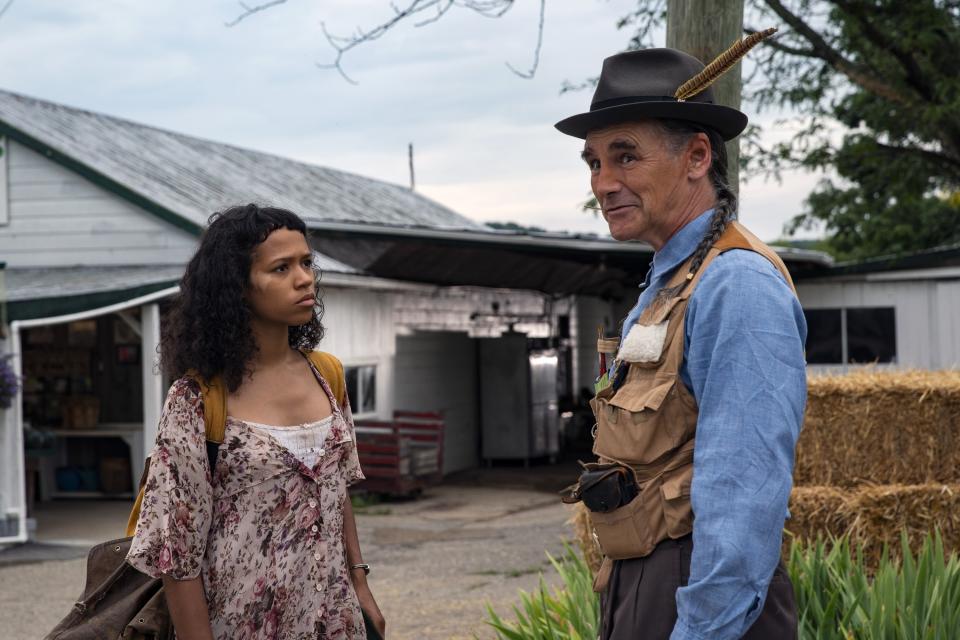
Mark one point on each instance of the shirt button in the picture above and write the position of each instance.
(317, 556)
(314, 528)
(321, 451)
(319, 587)
(313, 504)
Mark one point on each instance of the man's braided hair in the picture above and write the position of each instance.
(678, 134)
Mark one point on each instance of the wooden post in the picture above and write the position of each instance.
(704, 29)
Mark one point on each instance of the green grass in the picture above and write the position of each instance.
(367, 504)
(838, 596)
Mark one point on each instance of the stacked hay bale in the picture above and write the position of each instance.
(879, 453)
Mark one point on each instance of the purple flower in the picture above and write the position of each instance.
(9, 383)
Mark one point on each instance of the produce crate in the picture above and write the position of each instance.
(402, 456)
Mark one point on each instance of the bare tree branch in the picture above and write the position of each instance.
(774, 44)
(247, 11)
(536, 52)
(441, 10)
(432, 9)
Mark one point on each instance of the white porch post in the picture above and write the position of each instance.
(13, 483)
(152, 380)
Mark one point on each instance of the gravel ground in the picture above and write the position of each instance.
(436, 563)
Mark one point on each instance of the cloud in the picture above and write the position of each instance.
(484, 138)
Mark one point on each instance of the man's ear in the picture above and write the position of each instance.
(699, 156)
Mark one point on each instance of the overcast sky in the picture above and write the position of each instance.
(483, 137)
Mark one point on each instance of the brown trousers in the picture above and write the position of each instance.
(640, 599)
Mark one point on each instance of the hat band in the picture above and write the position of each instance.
(616, 102)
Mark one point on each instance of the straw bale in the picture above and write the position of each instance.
(881, 428)
(875, 515)
(583, 533)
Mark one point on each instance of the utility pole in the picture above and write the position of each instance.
(410, 159)
(704, 29)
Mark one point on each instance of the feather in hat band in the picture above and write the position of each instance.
(721, 64)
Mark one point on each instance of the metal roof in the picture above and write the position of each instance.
(189, 177)
(33, 284)
(552, 263)
(936, 261)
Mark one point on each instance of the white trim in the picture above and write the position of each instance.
(360, 281)
(19, 471)
(94, 313)
(933, 273)
(152, 383)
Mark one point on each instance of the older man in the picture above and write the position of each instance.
(703, 405)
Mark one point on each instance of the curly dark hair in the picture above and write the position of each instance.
(207, 328)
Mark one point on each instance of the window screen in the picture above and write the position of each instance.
(871, 335)
(824, 336)
(362, 388)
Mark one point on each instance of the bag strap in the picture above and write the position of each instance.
(332, 371)
(214, 398)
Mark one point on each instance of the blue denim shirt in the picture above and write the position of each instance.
(744, 363)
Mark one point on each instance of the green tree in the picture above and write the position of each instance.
(874, 85)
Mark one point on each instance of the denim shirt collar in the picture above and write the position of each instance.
(679, 247)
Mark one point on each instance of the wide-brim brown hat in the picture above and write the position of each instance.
(636, 85)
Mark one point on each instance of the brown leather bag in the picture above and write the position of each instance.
(117, 602)
(120, 602)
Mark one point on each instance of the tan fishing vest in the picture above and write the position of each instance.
(650, 421)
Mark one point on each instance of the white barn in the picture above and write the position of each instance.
(889, 312)
(98, 216)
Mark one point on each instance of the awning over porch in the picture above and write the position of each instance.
(553, 263)
(57, 291)
(41, 293)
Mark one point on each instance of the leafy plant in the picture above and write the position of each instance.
(838, 596)
(569, 612)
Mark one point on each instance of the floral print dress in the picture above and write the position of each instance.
(266, 533)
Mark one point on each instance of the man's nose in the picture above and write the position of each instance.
(606, 182)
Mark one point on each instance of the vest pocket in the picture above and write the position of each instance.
(622, 533)
(630, 426)
(675, 493)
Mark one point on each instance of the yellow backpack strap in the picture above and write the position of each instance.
(214, 398)
(332, 371)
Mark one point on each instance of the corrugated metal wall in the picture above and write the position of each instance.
(437, 370)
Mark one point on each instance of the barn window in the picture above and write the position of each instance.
(824, 336)
(362, 388)
(860, 335)
(871, 335)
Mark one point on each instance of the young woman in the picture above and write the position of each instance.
(266, 546)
